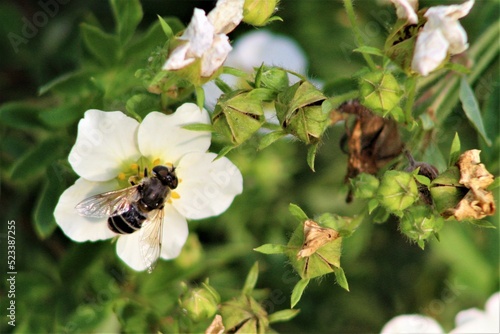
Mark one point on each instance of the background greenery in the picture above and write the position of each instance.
(62, 286)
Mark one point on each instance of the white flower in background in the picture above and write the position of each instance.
(468, 321)
(253, 49)
(476, 321)
(440, 35)
(412, 323)
(110, 147)
(205, 38)
(406, 10)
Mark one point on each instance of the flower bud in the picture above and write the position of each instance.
(365, 185)
(300, 113)
(201, 303)
(418, 224)
(238, 115)
(273, 78)
(245, 314)
(258, 12)
(379, 92)
(397, 191)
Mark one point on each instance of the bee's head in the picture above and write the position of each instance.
(166, 175)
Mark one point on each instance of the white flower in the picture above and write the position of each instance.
(406, 10)
(476, 321)
(253, 49)
(412, 323)
(110, 147)
(441, 34)
(205, 38)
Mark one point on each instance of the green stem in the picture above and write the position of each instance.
(411, 90)
(357, 34)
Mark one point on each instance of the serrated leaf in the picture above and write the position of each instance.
(251, 279)
(311, 156)
(298, 290)
(102, 45)
(270, 249)
(270, 138)
(35, 161)
(297, 212)
(283, 315)
(127, 15)
(369, 50)
(199, 127)
(454, 150)
(43, 215)
(471, 109)
(340, 277)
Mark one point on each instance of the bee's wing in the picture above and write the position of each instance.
(151, 238)
(106, 204)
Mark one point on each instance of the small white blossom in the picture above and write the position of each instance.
(440, 35)
(406, 10)
(412, 323)
(110, 147)
(205, 38)
(476, 321)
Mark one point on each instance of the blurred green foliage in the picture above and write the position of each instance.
(62, 286)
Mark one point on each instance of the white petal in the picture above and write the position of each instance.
(257, 47)
(493, 305)
(412, 323)
(178, 58)
(161, 137)
(208, 187)
(406, 10)
(215, 55)
(454, 12)
(174, 236)
(199, 33)
(105, 141)
(226, 15)
(430, 51)
(128, 249)
(456, 36)
(75, 226)
(175, 233)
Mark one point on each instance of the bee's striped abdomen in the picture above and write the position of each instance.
(127, 222)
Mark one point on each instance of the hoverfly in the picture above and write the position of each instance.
(138, 207)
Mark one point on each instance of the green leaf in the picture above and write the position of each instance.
(298, 290)
(35, 161)
(454, 150)
(251, 279)
(459, 68)
(372, 205)
(422, 179)
(270, 138)
(225, 150)
(223, 86)
(166, 28)
(270, 249)
(200, 96)
(283, 315)
(297, 212)
(20, 116)
(127, 14)
(340, 277)
(482, 223)
(103, 46)
(311, 155)
(43, 215)
(369, 50)
(142, 104)
(199, 127)
(471, 109)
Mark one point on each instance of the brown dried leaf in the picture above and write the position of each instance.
(315, 237)
(216, 327)
(473, 173)
(475, 205)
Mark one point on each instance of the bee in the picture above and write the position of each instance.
(138, 207)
